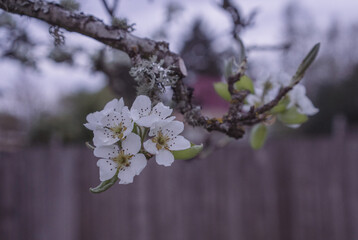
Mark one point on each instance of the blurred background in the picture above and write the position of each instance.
(301, 185)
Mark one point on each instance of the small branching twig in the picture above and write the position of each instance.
(138, 49)
(110, 10)
(278, 47)
(238, 21)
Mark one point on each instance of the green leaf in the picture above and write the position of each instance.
(307, 61)
(258, 136)
(189, 153)
(105, 184)
(280, 107)
(222, 89)
(245, 83)
(292, 116)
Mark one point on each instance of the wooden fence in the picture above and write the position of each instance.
(290, 190)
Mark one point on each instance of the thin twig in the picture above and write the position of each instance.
(110, 10)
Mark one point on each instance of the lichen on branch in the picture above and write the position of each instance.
(141, 50)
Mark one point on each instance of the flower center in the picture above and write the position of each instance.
(123, 159)
(119, 130)
(161, 141)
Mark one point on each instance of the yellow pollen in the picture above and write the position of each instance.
(119, 130)
(123, 159)
(161, 141)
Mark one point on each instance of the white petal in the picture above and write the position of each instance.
(111, 104)
(97, 141)
(283, 79)
(90, 126)
(115, 119)
(141, 106)
(134, 115)
(298, 92)
(147, 121)
(94, 117)
(114, 105)
(157, 126)
(298, 98)
(173, 128)
(107, 169)
(138, 163)
(161, 111)
(252, 99)
(169, 119)
(127, 121)
(165, 158)
(131, 145)
(106, 151)
(306, 106)
(126, 176)
(94, 120)
(246, 108)
(150, 146)
(178, 143)
(271, 94)
(104, 137)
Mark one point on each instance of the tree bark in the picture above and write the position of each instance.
(88, 25)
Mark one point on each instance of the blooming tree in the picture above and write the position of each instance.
(124, 138)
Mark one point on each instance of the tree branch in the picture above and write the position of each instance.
(93, 27)
(232, 124)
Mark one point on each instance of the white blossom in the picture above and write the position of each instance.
(116, 126)
(266, 89)
(94, 119)
(144, 115)
(299, 99)
(165, 139)
(125, 161)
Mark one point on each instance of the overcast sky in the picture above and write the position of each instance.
(149, 15)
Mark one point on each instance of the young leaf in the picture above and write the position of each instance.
(222, 90)
(245, 83)
(280, 107)
(258, 136)
(189, 153)
(292, 116)
(105, 184)
(307, 61)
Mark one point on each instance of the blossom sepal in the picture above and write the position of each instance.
(103, 186)
(188, 153)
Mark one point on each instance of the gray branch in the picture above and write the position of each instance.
(88, 25)
(232, 124)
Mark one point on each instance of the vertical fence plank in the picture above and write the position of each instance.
(289, 190)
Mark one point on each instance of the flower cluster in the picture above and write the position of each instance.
(120, 137)
(266, 90)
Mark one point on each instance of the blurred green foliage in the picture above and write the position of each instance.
(67, 125)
